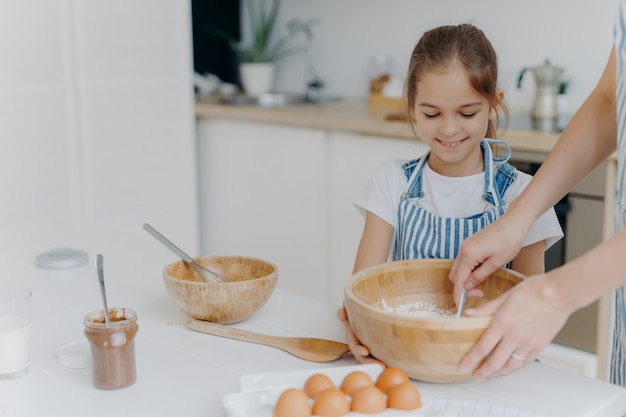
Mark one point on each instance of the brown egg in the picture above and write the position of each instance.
(316, 384)
(390, 377)
(404, 397)
(292, 403)
(368, 400)
(331, 403)
(355, 380)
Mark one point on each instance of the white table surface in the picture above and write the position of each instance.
(185, 373)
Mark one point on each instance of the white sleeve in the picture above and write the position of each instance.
(382, 194)
(546, 227)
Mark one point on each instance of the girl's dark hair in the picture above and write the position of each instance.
(446, 46)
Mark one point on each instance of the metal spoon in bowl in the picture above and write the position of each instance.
(459, 312)
(205, 273)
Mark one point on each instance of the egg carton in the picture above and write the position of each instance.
(259, 392)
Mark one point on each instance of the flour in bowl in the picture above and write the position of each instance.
(419, 309)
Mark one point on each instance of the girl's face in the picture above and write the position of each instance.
(452, 119)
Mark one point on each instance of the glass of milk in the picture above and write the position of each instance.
(15, 319)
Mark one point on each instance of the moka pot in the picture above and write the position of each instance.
(544, 112)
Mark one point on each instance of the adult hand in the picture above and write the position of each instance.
(360, 352)
(525, 319)
(483, 253)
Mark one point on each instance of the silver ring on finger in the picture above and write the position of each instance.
(518, 357)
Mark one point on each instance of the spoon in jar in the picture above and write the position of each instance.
(101, 279)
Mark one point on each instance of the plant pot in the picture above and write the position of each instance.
(256, 77)
(562, 104)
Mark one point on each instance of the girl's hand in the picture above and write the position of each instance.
(360, 352)
(525, 319)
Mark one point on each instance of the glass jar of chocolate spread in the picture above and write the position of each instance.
(112, 347)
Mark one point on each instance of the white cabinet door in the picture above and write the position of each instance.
(584, 231)
(263, 193)
(352, 161)
(286, 194)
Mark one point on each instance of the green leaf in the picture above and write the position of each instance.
(262, 20)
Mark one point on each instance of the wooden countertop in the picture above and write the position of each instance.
(355, 116)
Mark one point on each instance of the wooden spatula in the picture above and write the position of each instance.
(311, 349)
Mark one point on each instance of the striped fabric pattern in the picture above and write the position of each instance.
(618, 356)
(427, 235)
(422, 234)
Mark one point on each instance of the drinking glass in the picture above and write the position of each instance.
(15, 320)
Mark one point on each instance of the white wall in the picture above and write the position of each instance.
(574, 35)
(97, 122)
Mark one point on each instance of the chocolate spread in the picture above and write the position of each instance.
(112, 347)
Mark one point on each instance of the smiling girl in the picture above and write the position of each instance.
(425, 207)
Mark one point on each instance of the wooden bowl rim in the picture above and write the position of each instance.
(272, 275)
(405, 319)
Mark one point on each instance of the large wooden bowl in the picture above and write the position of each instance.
(428, 349)
(253, 281)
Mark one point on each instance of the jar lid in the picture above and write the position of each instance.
(61, 258)
(76, 354)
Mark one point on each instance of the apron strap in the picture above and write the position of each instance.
(499, 159)
(489, 193)
(414, 189)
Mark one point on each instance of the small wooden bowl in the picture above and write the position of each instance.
(428, 349)
(253, 281)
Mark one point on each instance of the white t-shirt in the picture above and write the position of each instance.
(447, 197)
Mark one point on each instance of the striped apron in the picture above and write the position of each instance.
(618, 356)
(423, 234)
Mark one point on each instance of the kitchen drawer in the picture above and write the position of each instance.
(592, 184)
(584, 225)
(584, 231)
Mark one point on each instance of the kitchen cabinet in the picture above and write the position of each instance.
(584, 231)
(352, 161)
(98, 129)
(262, 194)
(285, 194)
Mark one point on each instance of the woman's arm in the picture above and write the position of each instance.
(527, 317)
(530, 260)
(588, 140)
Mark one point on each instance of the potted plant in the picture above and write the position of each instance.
(562, 101)
(257, 58)
(564, 86)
